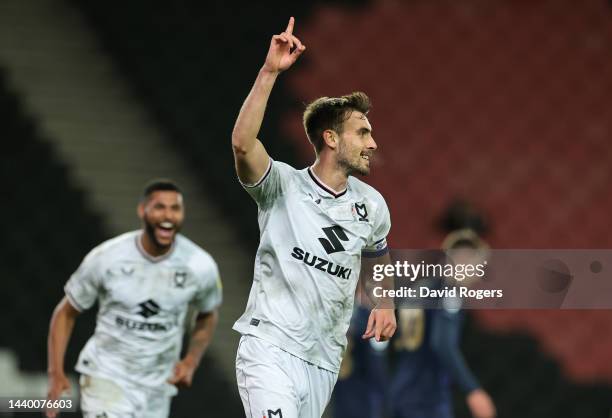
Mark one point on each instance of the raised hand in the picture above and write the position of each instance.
(284, 50)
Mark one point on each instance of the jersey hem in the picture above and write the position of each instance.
(374, 254)
(73, 301)
(294, 353)
(122, 381)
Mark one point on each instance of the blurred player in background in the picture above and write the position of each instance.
(361, 391)
(315, 223)
(428, 357)
(144, 282)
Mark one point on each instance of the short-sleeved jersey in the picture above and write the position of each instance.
(143, 302)
(308, 261)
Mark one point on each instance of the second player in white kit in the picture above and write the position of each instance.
(142, 306)
(144, 282)
(316, 224)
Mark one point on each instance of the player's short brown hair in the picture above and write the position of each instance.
(330, 113)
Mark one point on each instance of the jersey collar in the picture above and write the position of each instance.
(148, 256)
(323, 186)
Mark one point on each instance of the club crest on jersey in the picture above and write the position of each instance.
(361, 211)
(179, 279)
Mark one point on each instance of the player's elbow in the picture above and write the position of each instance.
(240, 144)
(239, 149)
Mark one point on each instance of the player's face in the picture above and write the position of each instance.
(356, 145)
(467, 256)
(162, 215)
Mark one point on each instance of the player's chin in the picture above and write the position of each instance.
(363, 169)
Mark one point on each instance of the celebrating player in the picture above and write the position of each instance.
(144, 282)
(315, 225)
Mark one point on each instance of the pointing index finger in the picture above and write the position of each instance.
(289, 29)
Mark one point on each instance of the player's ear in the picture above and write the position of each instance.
(140, 210)
(330, 138)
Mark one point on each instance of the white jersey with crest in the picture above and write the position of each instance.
(143, 302)
(308, 261)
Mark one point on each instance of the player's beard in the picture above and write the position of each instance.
(150, 231)
(352, 163)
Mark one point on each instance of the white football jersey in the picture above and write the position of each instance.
(143, 301)
(308, 261)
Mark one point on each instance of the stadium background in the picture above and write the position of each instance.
(506, 104)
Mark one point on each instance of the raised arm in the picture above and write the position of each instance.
(249, 153)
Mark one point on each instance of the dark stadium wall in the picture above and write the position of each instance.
(527, 382)
(48, 229)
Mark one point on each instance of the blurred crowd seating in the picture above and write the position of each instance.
(48, 228)
(506, 103)
(192, 63)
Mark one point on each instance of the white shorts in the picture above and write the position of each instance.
(275, 384)
(109, 399)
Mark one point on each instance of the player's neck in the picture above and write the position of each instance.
(149, 246)
(330, 175)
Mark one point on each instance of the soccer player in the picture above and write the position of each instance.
(144, 282)
(362, 381)
(428, 355)
(315, 224)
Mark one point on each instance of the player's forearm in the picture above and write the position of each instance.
(60, 330)
(201, 337)
(252, 113)
(454, 361)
